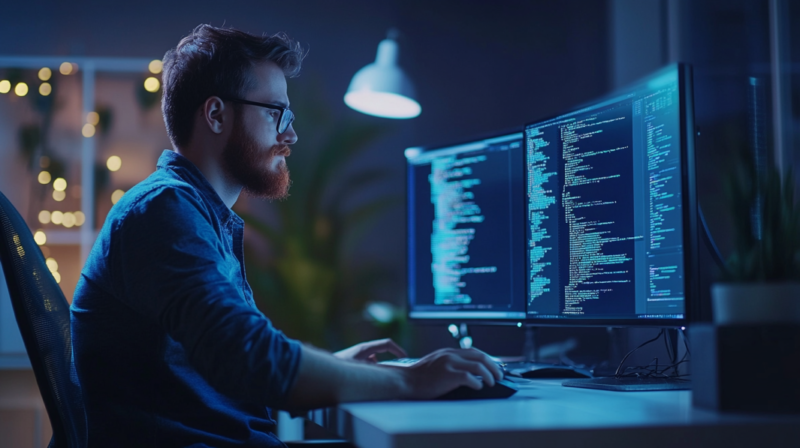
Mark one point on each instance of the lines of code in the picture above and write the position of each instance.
(454, 204)
(663, 173)
(541, 179)
(593, 167)
(605, 220)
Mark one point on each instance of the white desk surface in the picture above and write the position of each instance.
(543, 413)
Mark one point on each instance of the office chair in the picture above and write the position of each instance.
(42, 314)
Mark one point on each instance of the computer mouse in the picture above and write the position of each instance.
(501, 389)
(554, 372)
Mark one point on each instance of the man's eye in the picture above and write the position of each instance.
(274, 114)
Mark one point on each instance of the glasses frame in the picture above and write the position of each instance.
(283, 110)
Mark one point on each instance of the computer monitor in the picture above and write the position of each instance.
(611, 234)
(466, 237)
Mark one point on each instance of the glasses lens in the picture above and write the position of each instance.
(286, 120)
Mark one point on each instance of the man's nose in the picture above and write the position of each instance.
(289, 136)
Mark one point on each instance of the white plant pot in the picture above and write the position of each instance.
(755, 303)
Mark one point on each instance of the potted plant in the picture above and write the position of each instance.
(761, 278)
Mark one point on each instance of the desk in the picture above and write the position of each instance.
(543, 413)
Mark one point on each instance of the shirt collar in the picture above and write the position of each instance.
(187, 171)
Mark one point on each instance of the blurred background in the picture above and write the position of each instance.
(328, 264)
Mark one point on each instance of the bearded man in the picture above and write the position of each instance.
(169, 346)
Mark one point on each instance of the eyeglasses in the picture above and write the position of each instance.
(286, 118)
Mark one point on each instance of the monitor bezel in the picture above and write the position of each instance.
(517, 321)
(689, 195)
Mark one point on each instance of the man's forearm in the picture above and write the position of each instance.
(324, 380)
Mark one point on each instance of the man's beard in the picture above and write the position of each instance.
(250, 164)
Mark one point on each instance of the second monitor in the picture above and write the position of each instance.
(466, 237)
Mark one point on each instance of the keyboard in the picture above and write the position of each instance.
(631, 384)
(400, 362)
(405, 362)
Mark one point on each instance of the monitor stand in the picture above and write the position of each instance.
(531, 367)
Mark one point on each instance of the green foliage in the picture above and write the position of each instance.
(147, 99)
(771, 251)
(30, 137)
(106, 118)
(307, 285)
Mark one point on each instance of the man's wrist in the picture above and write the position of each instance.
(404, 384)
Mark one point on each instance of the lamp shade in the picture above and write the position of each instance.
(382, 88)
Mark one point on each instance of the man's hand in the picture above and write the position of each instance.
(325, 380)
(445, 369)
(368, 351)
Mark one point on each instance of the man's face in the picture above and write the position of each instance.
(255, 154)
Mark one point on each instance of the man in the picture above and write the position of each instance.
(169, 346)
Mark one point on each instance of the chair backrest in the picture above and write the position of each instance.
(43, 317)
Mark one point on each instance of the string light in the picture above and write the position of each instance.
(57, 217)
(65, 68)
(45, 89)
(59, 195)
(88, 130)
(40, 237)
(21, 89)
(44, 217)
(155, 66)
(151, 84)
(60, 184)
(80, 218)
(44, 178)
(52, 264)
(93, 118)
(69, 220)
(114, 163)
(116, 196)
(45, 74)
(5, 86)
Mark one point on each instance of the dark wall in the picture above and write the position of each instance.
(479, 67)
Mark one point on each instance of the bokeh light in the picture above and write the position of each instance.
(21, 89)
(114, 163)
(45, 74)
(116, 196)
(56, 276)
(40, 237)
(59, 195)
(155, 66)
(5, 86)
(69, 220)
(93, 118)
(80, 218)
(44, 217)
(44, 177)
(52, 264)
(45, 89)
(88, 130)
(65, 68)
(60, 184)
(57, 217)
(151, 84)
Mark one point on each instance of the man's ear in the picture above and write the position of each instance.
(214, 114)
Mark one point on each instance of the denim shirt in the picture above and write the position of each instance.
(168, 344)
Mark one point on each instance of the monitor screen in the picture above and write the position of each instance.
(466, 237)
(606, 204)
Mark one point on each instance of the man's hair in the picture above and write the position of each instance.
(215, 61)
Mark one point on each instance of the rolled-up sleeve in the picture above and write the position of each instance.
(171, 268)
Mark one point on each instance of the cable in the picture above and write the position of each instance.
(709, 240)
(653, 368)
(617, 374)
